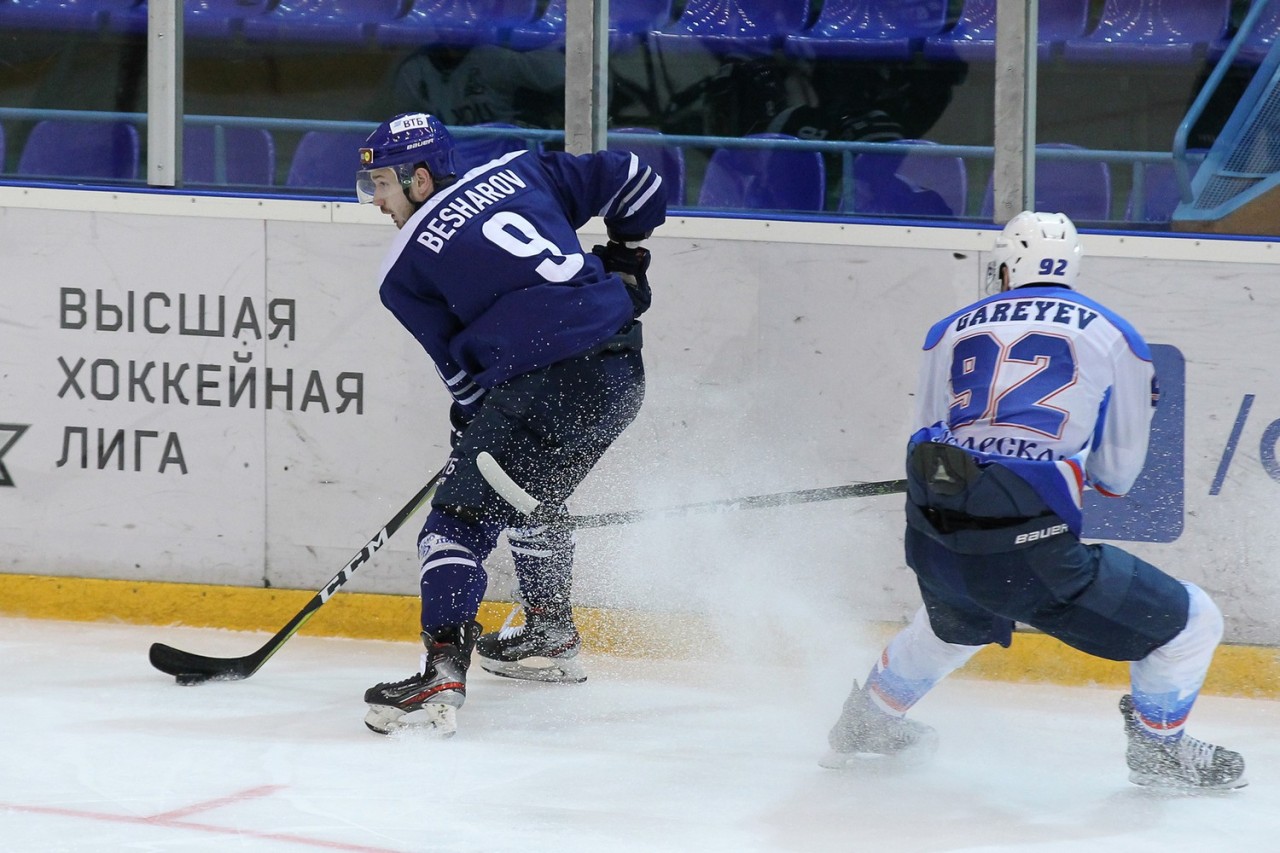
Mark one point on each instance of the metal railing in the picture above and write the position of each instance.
(1181, 158)
(1136, 161)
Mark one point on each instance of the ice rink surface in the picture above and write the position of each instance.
(103, 753)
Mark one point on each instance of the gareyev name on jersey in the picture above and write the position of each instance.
(1061, 311)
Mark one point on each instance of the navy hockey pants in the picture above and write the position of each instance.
(547, 429)
(1096, 598)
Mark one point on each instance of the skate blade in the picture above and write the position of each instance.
(551, 670)
(433, 719)
(870, 763)
(916, 755)
(1163, 784)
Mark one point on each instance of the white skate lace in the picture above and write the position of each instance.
(1196, 753)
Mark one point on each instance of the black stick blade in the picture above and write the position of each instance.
(191, 668)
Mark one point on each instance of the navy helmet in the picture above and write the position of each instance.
(402, 143)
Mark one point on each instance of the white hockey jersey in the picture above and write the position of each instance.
(1041, 373)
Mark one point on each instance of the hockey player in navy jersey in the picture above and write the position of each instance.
(539, 344)
(1026, 398)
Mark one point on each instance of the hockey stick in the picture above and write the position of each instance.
(191, 668)
(512, 493)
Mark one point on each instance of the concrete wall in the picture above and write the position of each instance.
(781, 356)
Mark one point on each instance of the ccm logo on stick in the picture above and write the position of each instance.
(1024, 538)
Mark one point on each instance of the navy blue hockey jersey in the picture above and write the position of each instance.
(489, 274)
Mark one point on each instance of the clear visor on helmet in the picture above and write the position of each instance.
(374, 184)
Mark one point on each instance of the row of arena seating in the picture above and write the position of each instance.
(913, 184)
(1131, 31)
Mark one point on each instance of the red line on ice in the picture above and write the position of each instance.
(172, 820)
(251, 793)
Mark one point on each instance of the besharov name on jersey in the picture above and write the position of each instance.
(454, 214)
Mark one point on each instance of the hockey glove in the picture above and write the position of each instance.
(459, 419)
(631, 263)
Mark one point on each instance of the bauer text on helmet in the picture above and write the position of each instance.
(402, 143)
(1035, 248)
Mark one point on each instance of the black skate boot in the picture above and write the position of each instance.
(866, 735)
(1185, 763)
(542, 649)
(430, 699)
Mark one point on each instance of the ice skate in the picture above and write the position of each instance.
(1185, 763)
(429, 700)
(542, 649)
(866, 736)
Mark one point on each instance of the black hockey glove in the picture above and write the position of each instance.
(631, 263)
(459, 420)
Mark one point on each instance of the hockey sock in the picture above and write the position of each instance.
(452, 581)
(543, 558)
(1167, 682)
(913, 662)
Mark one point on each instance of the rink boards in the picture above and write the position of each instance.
(208, 391)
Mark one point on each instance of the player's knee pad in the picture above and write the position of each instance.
(478, 536)
(914, 661)
(918, 653)
(543, 558)
(437, 552)
(1181, 663)
(545, 542)
(452, 582)
(1203, 632)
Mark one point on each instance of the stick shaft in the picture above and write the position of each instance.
(830, 493)
(514, 494)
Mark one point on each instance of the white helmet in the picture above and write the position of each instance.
(1036, 248)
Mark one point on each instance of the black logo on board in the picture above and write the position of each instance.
(9, 435)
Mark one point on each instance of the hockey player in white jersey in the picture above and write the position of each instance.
(1025, 399)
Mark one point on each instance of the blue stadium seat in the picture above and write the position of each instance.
(764, 178)
(81, 149)
(1158, 196)
(747, 27)
(212, 19)
(59, 15)
(1079, 188)
(629, 22)
(326, 160)
(1152, 31)
(322, 21)
(666, 160)
(869, 29)
(219, 156)
(456, 23)
(547, 30)
(906, 184)
(1259, 40)
(973, 38)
